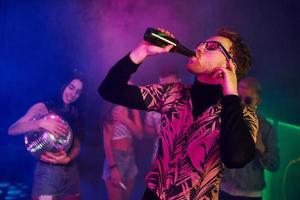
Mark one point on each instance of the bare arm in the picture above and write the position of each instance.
(107, 137)
(135, 125)
(115, 175)
(75, 150)
(26, 124)
(62, 157)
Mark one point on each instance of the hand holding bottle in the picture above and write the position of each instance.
(157, 41)
(145, 49)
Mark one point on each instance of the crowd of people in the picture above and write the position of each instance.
(210, 141)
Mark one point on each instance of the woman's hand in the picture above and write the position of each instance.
(120, 114)
(145, 49)
(54, 126)
(120, 117)
(56, 158)
(115, 176)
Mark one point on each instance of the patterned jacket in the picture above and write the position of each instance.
(192, 149)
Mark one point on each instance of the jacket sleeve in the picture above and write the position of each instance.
(239, 128)
(115, 88)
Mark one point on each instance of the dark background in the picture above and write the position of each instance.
(42, 41)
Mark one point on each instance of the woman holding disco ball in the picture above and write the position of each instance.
(52, 134)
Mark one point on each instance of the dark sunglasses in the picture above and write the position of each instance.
(215, 45)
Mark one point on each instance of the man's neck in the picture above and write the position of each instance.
(203, 96)
(207, 79)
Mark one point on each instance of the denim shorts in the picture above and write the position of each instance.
(56, 180)
(125, 164)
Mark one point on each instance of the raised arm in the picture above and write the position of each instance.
(115, 87)
(136, 127)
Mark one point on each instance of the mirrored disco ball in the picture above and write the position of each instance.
(44, 141)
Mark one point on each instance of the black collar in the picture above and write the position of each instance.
(203, 96)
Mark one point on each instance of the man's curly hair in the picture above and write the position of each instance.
(239, 51)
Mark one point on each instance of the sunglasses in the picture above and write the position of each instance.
(215, 45)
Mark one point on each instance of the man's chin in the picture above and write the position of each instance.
(192, 70)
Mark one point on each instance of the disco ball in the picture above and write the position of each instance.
(44, 141)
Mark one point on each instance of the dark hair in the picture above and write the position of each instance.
(63, 87)
(240, 52)
(76, 74)
(68, 82)
(71, 113)
(56, 104)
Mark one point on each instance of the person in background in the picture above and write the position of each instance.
(248, 182)
(168, 74)
(120, 169)
(56, 175)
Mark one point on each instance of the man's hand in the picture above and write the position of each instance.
(145, 49)
(56, 158)
(227, 78)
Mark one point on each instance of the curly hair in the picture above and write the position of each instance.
(239, 51)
